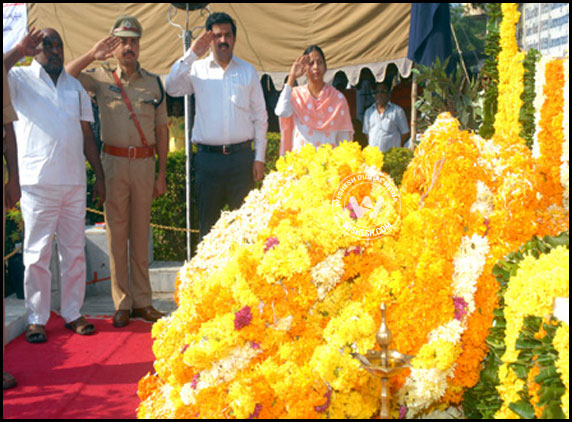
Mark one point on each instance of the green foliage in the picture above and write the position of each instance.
(540, 353)
(170, 210)
(14, 229)
(443, 93)
(272, 153)
(395, 162)
(528, 96)
(490, 74)
(91, 217)
(482, 401)
(470, 31)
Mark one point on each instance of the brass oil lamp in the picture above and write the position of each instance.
(384, 363)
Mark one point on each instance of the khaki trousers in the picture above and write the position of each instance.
(129, 194)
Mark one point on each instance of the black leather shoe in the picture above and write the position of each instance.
(148, 314)
(121, 318)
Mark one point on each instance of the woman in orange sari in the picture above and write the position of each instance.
(315, 113)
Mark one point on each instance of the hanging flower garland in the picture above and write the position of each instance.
(483, 401)
(527, 114)
(562, 346)
(539, 82)
(530, 293)
(511, 75)
(551, 135)
(565, 168)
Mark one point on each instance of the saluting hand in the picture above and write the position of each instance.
(103, 49)
(201, 45)
(298, 68)
(31, 43)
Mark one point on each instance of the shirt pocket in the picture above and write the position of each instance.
(385, 125)
(70, 103)
(144, 106)
(239, 96)
(110, 99)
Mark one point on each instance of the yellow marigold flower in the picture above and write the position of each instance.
(373, 157)
(562, 345)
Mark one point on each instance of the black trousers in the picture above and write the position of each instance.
(221, 180)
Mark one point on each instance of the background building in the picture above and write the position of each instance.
(545, 26)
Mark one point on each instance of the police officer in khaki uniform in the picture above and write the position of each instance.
(134, 126)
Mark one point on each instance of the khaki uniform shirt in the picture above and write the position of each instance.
(144, 92)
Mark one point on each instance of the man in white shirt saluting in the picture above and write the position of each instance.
(54, 138)
(230, 116)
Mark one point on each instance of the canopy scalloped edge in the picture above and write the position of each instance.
(378, 69)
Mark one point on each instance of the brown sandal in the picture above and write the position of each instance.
(36, 333)
(8, 381)
(81, 326)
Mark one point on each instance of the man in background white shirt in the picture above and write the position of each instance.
(230, 115)
(54, 138)
(385, 123)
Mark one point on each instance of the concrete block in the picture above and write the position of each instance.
(164, 276)
(97, 260)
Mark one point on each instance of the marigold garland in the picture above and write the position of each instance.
(511, 75)
(551, 135)
(562, 346)
(278, 296)
(531, 292)
(565, 167)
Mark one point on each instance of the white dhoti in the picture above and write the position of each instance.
(49, 210)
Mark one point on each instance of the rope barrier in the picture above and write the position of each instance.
(156, 226)
(11, 254)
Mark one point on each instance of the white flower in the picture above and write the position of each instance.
(485, 200)
(539, 81)
(284, 324)
(221, 371)
(328, 273)
(236, 227)
(451, 332)
(469, 263)
(422, 387)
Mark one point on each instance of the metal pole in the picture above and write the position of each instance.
(413, 111)
(189, 108)
(189, 118)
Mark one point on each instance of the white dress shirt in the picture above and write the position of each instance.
(48, 130)
(384, 130)
(230, 106)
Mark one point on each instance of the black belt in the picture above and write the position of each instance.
(225, 149)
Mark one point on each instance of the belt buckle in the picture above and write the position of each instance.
(226, 149)
(130, 155)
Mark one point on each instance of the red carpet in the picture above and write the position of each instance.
(78, 377)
